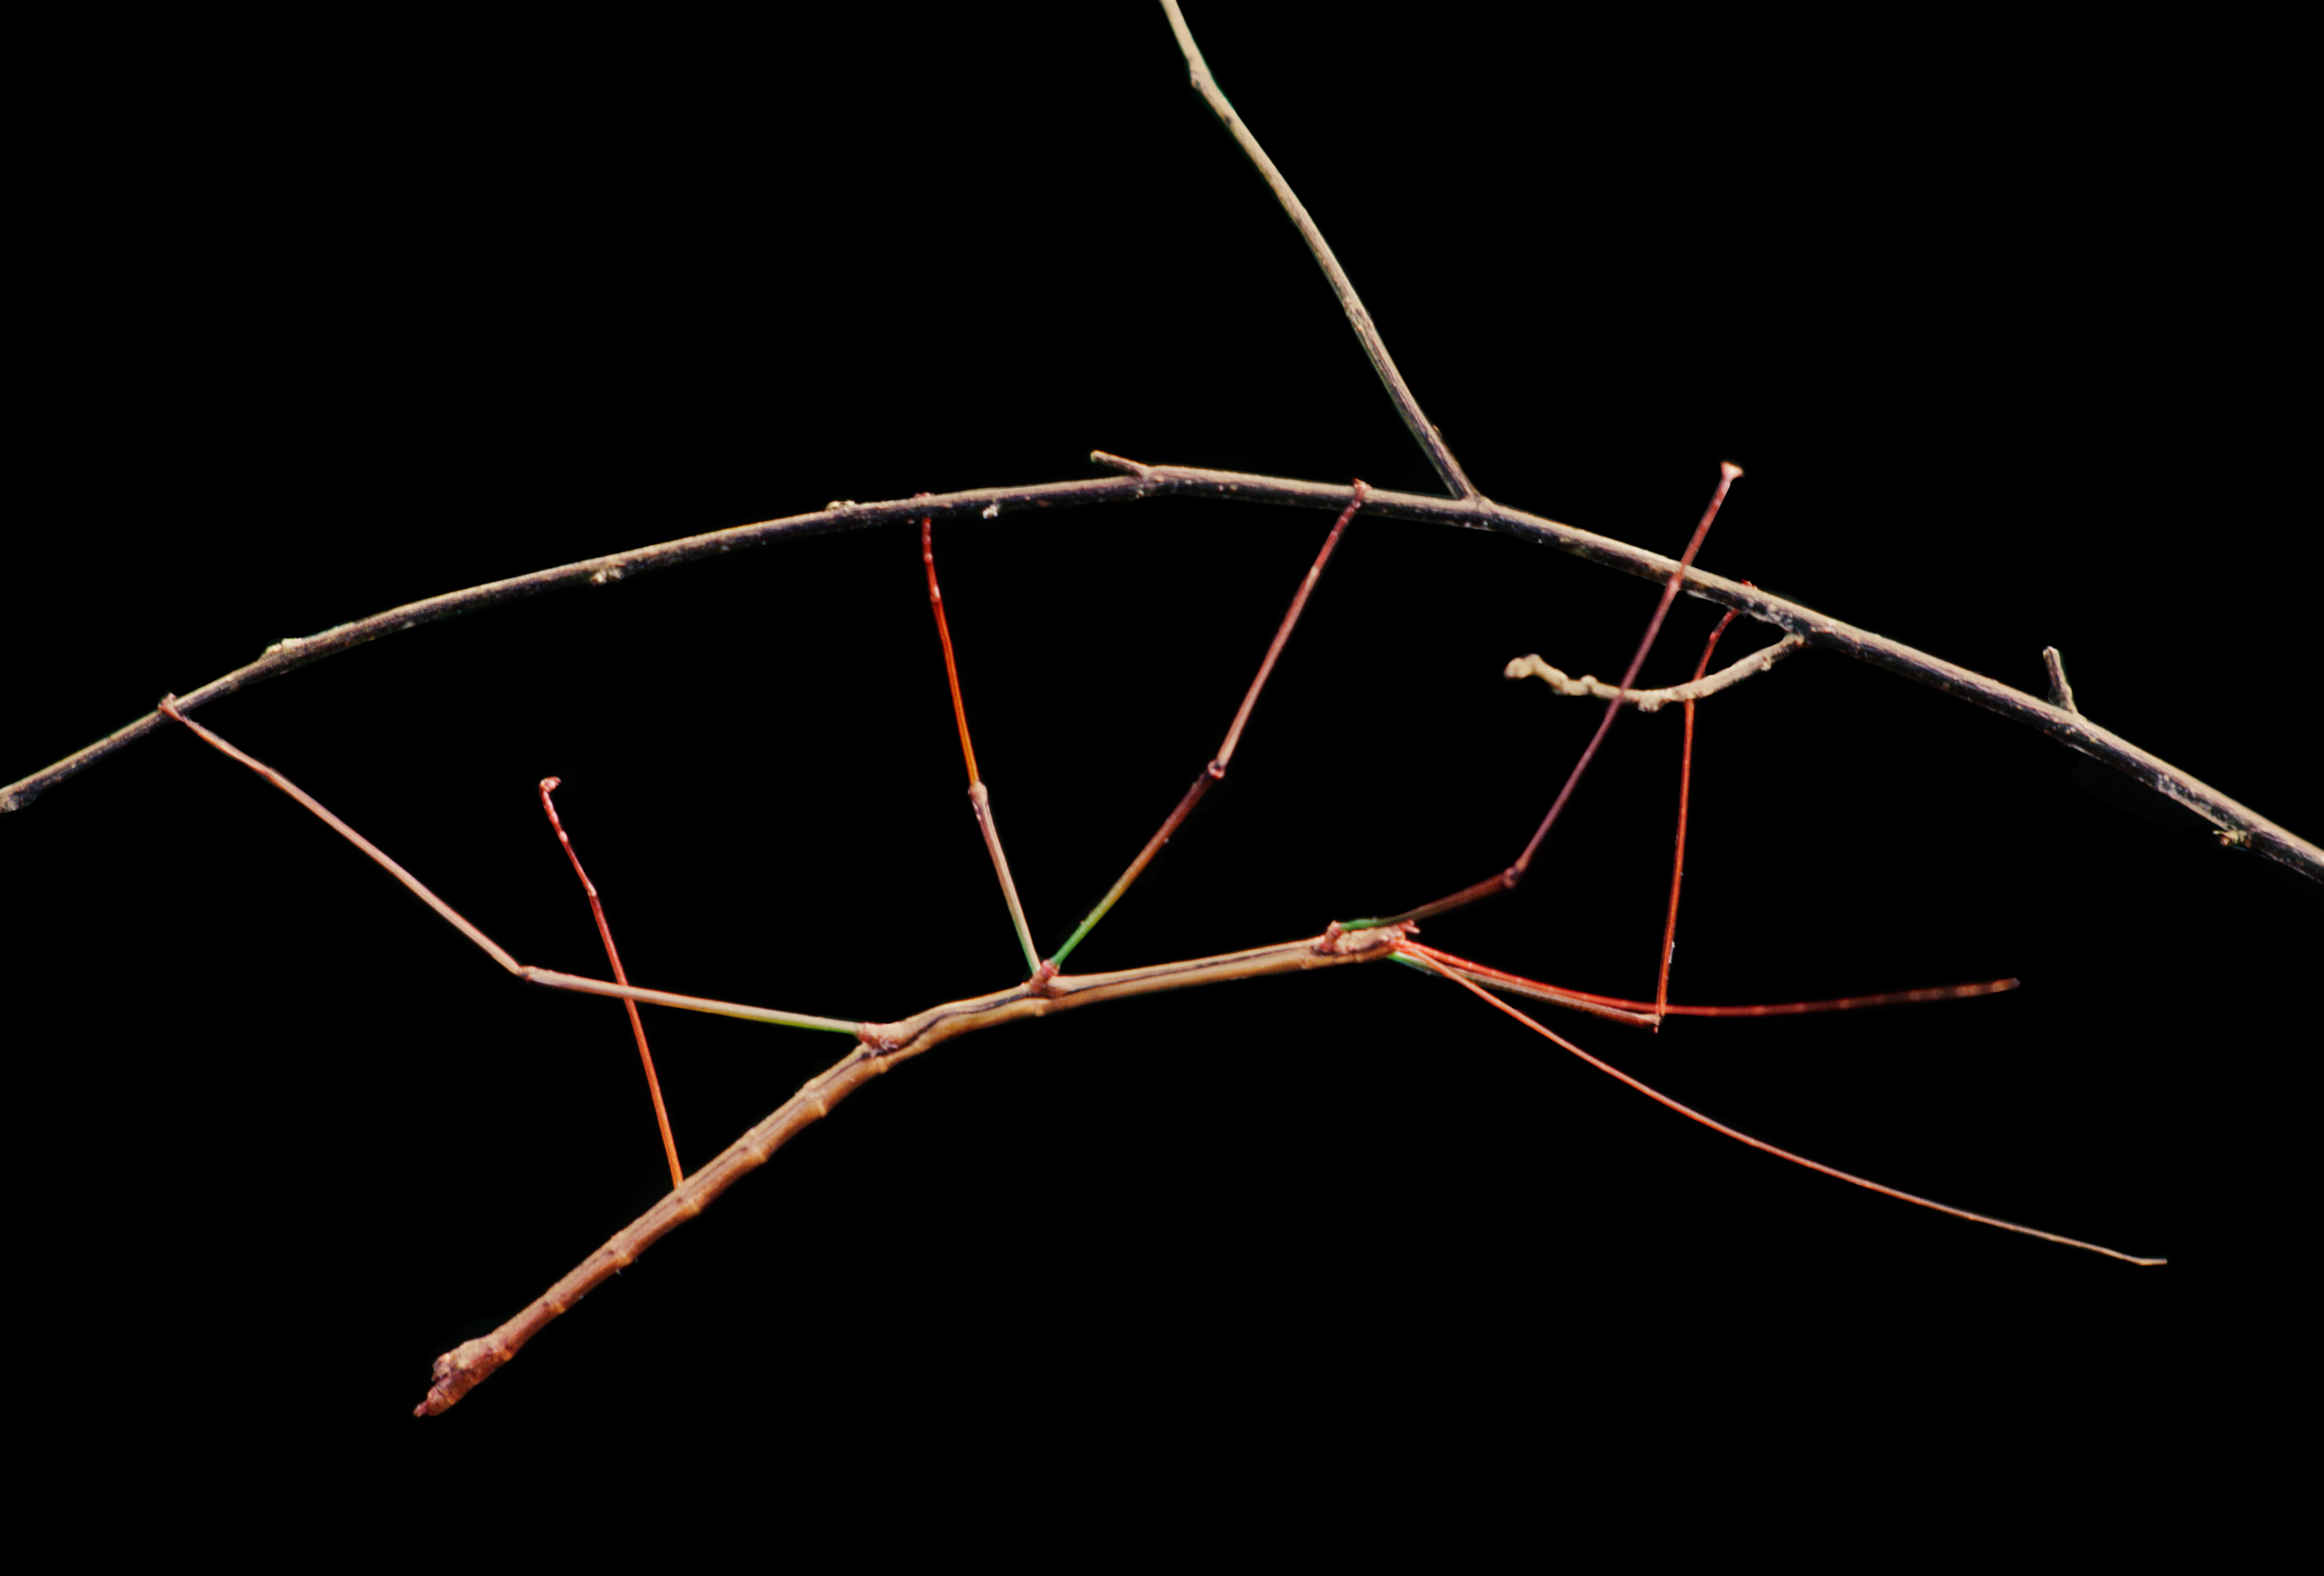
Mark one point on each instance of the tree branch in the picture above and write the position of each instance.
(2240, 826)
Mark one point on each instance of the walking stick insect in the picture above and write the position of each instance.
(1048, 987)
(811, 737)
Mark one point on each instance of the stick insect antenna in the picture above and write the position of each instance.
(1742, 1138)
(1217, 768)
(1650, 1014)
(549, 785)
(1515, 872)
(979, 800)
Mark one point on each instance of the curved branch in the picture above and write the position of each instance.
(1653, 700)
(1400, 393)
(298, 651)
(2238, 825)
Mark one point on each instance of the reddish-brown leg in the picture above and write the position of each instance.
(549, 785)
(1678, 853)
(1217, 767)
(1045, 971)
(980, 798)
(1727, 474)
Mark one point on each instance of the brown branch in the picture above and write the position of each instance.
(1400, 394)
(2238, 825)
(1653, 700)
(287, 655)
(880, 1047)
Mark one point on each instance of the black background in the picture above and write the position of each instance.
(432, 311)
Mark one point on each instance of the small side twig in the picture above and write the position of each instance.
(1653, 700)
(2062, 694)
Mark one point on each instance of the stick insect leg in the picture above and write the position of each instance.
(549, 785)
(1652, 1014)
(1727, 474)
(490, 948)
(980, 799)
(1646, 1014)
(1661, 1003)
(1216, 770)
(1678, 851)
(1217, 767)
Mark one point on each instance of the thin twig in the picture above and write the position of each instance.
(1400, 394)
(1653, 700)
(2062, 694)
(2239, 826)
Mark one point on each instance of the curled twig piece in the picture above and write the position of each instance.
(1653, 700)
